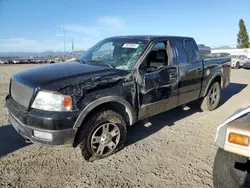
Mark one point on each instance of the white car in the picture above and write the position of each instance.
(239, 60)
(3, 62)
(16, 61)
(232, 161)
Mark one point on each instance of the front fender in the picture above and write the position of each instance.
(129, 109)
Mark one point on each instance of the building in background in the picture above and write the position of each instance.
(233, 51)
(204, 50)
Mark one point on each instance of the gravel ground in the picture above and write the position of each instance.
(176, 151)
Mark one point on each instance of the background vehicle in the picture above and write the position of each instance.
(204, 50)
(10, 61)
(232, 165)
(3, 62)
(15, 61)
(215, 55)
(247, 65)
(239, 60)
(116, 83)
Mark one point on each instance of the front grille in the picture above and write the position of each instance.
(20, 93)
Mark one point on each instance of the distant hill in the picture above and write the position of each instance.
(34, 54)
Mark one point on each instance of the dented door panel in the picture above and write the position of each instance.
(162, 93)
(158, 90)
(147, 89)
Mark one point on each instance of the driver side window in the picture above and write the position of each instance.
(157, 57)
(105, 50)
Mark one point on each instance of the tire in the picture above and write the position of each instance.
(95, 125)
(206, 103)
(223, 162)
(237, 66)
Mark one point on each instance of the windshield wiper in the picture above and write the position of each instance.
(111, 66)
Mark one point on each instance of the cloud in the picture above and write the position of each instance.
(18, 40)
(101, 27)
(29, 45)
(113, 22)
(84, 30)
(17, 44)
(46, 41)
(59, 35)
(84, 36)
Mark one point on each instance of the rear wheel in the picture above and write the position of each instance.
(105, 135)
(223, 162)
(212, 99)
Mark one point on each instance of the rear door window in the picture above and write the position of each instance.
(181, 52)
(191, 51)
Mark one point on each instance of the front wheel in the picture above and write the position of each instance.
(212, 99)
(105, 135)
(224, 161)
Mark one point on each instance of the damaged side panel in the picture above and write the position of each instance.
(157, 91)
(86, 92)
(147, 89)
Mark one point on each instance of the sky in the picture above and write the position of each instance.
(39, 25)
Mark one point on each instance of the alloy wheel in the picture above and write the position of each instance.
(105, 139)
(213, 96)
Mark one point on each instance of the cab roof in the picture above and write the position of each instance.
(150, 37)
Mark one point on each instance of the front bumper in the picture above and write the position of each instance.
(59, 137)
(58, 125)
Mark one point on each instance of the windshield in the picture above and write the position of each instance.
(119, 53)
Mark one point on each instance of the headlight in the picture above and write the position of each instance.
(50, 101)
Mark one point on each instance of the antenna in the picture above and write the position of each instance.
(63, 41)
(72, 47)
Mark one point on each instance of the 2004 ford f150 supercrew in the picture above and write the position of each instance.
(116, 83)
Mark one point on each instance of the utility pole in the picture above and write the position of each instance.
(63, 41)
(72, 48)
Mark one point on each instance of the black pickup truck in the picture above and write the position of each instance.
(116, 83)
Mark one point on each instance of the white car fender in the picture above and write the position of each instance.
(222, 128)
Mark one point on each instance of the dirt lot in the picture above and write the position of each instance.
(176, 151)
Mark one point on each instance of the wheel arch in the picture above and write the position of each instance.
(113, 102)
(118, 104)
(218, 77)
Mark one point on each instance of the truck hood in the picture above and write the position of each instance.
(60, 75)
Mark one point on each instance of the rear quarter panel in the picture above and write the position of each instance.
(214, 67)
